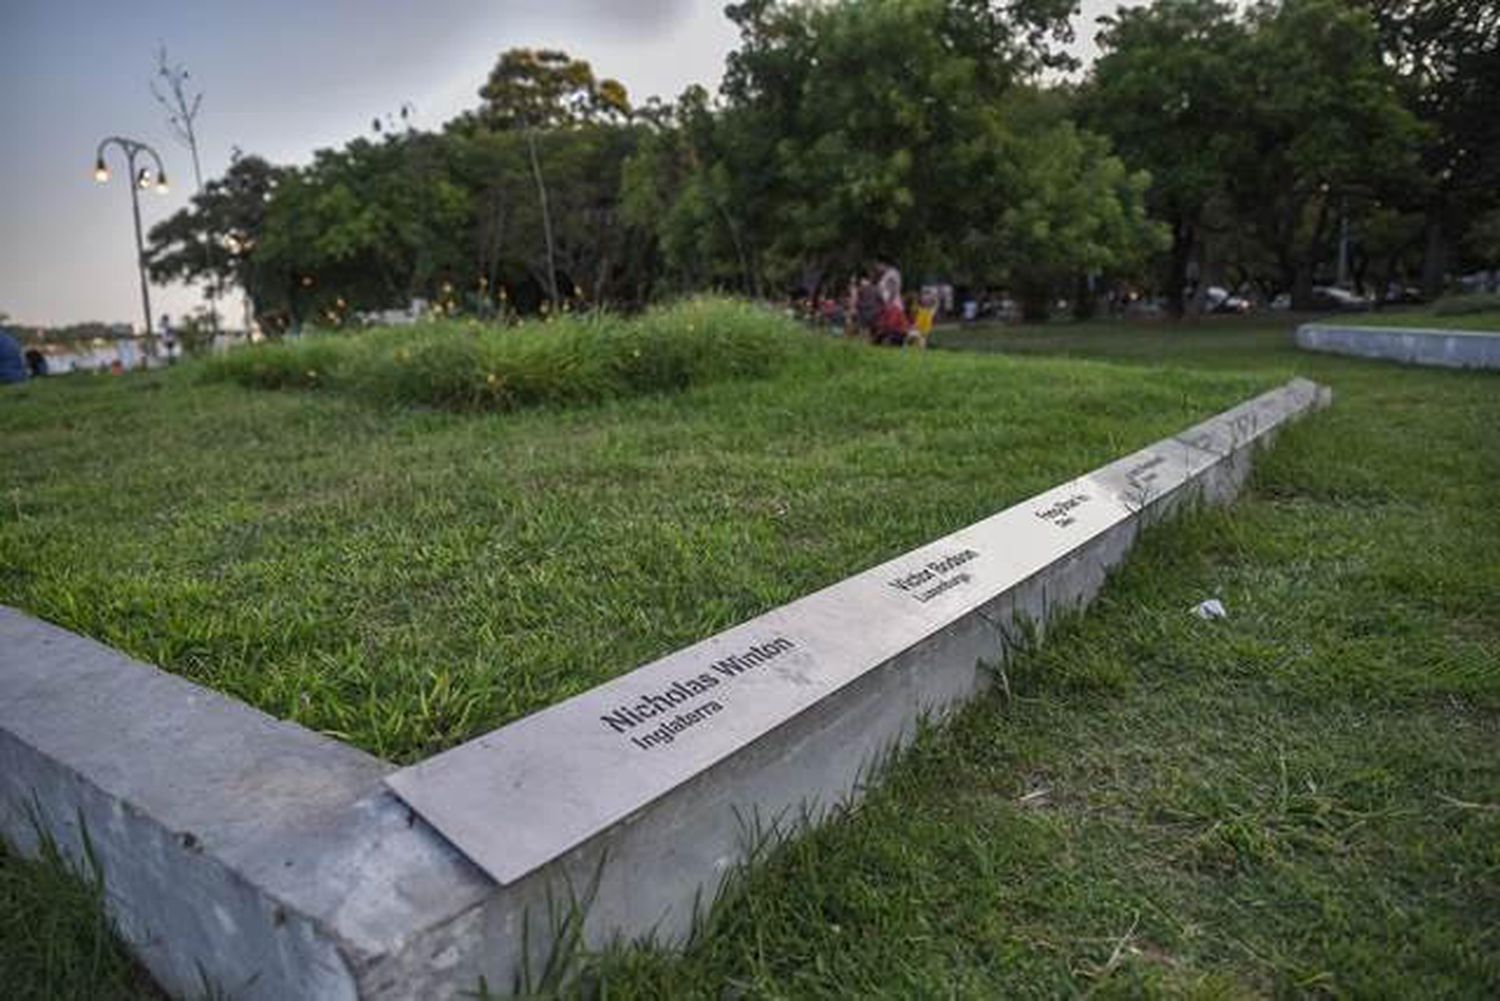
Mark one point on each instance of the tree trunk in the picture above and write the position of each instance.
(214, 284)
(1083, 298)
(1036, 302)
(1385, 278)
(752, 285)
(1302, 286)
(1435, 254)
(1177, 268)
(1306, 262)
(541, 188)
(496, 245)
(1358, 270)
(294, 307)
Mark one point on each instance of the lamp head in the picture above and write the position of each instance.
(101, 172)
(161, 183)
(143, 178)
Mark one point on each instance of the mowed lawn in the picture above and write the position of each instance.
(1301, 799)
(407, 579)
(1481, 322)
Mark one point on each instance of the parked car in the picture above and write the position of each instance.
(1219, 300)
(1397, 294)
(1341, 300)
(1480, 281)
(1329, 298)
(1145, 308)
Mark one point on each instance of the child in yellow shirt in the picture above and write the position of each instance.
(922, 324)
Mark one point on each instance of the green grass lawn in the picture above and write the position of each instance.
(1488, 322)
(407, 579)
(1301, 799)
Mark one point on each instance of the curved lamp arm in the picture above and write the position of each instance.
(130, 147)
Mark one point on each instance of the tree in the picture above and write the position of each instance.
(365, 227)
(1071, 209)
(216, 237)
(196, 332)
(548, 89)
(677, 187)
(595, 251)
(1446, 54)
(170, 88)
(1165, 91)
(1321, 132)
(845, 131)
(534, 89)
(1267, 133)
(865, 128)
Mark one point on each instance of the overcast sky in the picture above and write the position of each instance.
(281, 78)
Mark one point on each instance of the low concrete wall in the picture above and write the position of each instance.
(1412, 346)
(275, 863)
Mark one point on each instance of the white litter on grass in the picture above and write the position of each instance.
(1211, 609)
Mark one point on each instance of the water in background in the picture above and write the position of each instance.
(129, 352)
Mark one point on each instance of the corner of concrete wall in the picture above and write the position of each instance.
(233, 846)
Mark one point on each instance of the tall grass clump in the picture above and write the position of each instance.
(572, 360)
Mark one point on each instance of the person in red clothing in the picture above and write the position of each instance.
(892, 325)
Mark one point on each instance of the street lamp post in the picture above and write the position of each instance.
(137, 178)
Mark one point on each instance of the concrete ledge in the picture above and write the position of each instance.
(228, 839)
(1409, 345)
(275, 862)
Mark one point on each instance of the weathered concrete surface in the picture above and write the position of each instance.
(229, 840)
(1412, 346)
(273, 860)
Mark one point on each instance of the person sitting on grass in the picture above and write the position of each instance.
(831, 314)
(892, 327)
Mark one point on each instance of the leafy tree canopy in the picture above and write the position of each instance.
(545, 88)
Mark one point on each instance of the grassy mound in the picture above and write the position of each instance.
(576, 360)
(1433, 319)
(1468, 305)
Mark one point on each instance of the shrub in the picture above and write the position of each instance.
(569, 361)
(283, 365)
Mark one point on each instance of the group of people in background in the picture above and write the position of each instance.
(876, 309)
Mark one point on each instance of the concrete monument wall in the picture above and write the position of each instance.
(1412, 346)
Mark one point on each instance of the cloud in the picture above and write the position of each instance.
(633, 19)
